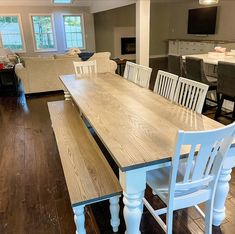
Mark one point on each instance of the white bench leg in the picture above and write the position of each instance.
(114, 211)
(79, 218)
(67, 96)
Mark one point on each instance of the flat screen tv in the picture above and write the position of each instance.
(202, 21)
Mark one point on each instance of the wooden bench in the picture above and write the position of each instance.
(88, 175)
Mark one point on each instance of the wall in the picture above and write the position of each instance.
(104, 5)
(24, 11)
(167, 21)
(106, 22)
(225, 21)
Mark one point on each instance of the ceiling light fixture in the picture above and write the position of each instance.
(62, 1)
(208, 2)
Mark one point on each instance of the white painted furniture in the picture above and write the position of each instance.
(130, 71)
(196, 184)
(182, 47)
(190, 94)
(143, 76)
(85, 67)
(165, 84)
(223, 188)
(138, 74)
(137, 146)
(88, 176)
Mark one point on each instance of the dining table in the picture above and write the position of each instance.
(139, 129)
(213, 60)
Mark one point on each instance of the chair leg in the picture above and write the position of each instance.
(218, 111)
(233, 115)
(79, 218)
(114, 211)
(169, 221)
(208, 216)
(217, 98)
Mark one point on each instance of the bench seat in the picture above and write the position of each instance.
(88, 176)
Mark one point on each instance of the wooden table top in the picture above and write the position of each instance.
(137, 126)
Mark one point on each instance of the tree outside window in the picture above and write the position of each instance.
(11, 33)
(43, 32)
(74, 34)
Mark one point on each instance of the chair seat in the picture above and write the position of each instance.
(212, 80)
(158, 180)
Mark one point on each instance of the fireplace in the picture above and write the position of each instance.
(128, 45)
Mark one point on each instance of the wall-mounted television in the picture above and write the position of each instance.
(202, 21)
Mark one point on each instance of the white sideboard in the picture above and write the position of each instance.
(187, 47)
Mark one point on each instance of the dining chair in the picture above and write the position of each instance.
(143, 76)
(195, 71)
(190, 94)
(226, 86)
(85, 67)
(138, 74)
(130, 71)
(197, 183)
(165, 84)
(175, 65)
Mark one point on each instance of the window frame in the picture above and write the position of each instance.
(21, 31)
(83, 29)
(53, 32)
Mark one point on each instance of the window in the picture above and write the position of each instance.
(11, 32)
(74, 31)
(44, 36)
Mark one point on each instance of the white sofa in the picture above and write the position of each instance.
(41, 74)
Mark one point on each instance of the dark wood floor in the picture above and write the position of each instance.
(33, 193)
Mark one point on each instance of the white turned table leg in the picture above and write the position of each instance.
(114, 211)
(79, 218)
(133, 183)
(67, 95)
(220, 196)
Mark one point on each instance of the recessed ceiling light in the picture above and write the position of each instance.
(208, 2)
(62, 1)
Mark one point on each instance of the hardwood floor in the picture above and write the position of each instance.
(33, 193)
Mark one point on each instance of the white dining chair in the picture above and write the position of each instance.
(138, 74)
(165, 84)
(130, 71)
(143, 76)
(191, 94)
(86, 67)
(197, 183)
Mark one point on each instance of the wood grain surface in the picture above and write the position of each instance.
(88, 175)
(137, 126)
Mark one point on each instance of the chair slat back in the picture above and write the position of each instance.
(191, 94)
(130, 71)
(165, 84)
(143, 76)
(226, 79)
(204, 161)
(86, 67)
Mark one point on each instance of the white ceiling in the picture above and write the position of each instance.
(40, 3)
(75, 2)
